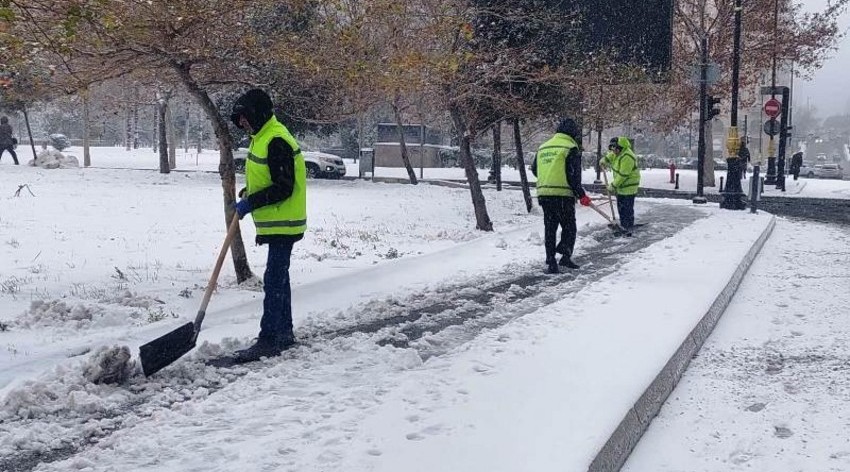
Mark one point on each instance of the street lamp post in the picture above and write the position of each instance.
(703, 113)
(733, 196)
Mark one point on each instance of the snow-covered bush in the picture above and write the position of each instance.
(53, 159)
(60, 142)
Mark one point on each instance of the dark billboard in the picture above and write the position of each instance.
(637, 32)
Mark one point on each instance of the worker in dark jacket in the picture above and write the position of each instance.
(557, 167)
(7, 142)
(276, 197)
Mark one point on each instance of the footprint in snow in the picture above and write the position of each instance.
(782, 432)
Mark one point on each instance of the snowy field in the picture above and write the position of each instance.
(650, 178)
(770, 389)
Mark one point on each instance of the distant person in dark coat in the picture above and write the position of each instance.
(796, 164)
(7, 143)
(743, 157)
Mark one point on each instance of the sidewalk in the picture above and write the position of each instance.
(769, 392)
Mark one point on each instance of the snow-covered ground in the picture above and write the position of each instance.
(415, 327)
(770, 389)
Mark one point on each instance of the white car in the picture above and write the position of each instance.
(319, 164)
(829, 171)
(807, 170)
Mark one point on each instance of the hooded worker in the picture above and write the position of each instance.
(557, 167)
(276, 197)
(623, 162)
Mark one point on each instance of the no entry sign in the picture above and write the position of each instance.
(772, 108)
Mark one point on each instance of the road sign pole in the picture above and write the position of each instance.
(783, 140)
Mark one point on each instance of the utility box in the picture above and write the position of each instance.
(367, 162)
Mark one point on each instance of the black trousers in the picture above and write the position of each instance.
(559, 211)
(626, 208)
(11, 151)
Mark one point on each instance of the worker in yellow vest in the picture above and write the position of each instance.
(276, 196)
(557, 167)
(622, 161)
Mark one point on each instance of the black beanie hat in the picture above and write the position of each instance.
(256, 106)
(569, 127)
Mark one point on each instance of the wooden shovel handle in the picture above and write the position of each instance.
(231, 233)
(607, 192)
(604, 215)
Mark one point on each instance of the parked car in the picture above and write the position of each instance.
(319, 164)
(720, 164)
(807, 170)
(829, 171)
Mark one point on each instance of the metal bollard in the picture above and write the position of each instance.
(762, 185)
(721, 185)
(754, 189)
(677, 181)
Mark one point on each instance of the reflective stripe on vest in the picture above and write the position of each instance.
(552, 166)
(288, 217)
(627, 184)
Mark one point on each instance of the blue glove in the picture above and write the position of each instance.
(243, 207)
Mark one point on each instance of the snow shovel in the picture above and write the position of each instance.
(609, 219)
(610, 200)
(166, 349)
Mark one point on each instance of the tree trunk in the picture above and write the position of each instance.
(136, 120)
(29, 131)
(405, 157)
(86, 130)
(172, 139)
(482, 219)
(128, 130)
(226, 167)
(520, 161)
(155, 139)
(708, 167)
(186, 131)
(162, 111)
(497, 155)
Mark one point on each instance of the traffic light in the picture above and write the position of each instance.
(710, 111)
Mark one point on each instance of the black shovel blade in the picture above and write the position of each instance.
(166, 349)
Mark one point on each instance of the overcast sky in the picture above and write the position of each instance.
(828, 90)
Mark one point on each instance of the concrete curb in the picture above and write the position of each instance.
(620, 444)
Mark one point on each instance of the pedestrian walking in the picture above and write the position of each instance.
(557, 167)
(276, 197)
(622, 161)
(796, 164)
(7, 142)
(743, 157)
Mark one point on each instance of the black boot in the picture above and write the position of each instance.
(567, 262)
(264, 348)
(552, 268)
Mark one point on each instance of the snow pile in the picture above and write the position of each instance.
(121, 310)
(109, 365)
(56, 313)
(130, 299)
(53, 159)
